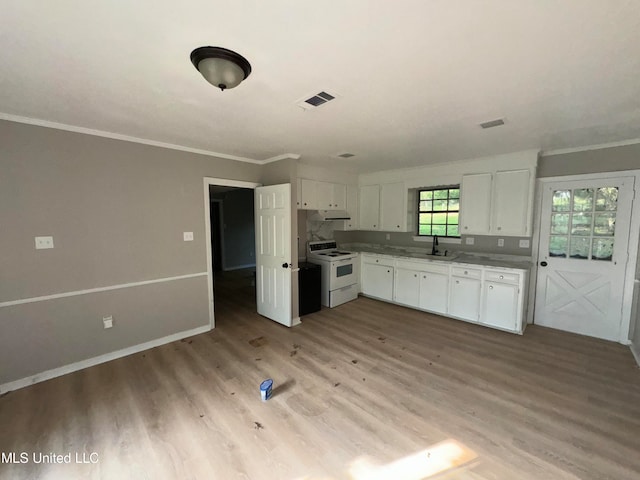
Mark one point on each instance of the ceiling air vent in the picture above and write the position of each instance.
(346, 155)
(493, 123)
(316, 100)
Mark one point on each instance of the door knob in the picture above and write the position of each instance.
(543, 264)
(285, 265)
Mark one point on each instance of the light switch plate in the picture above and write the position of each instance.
(44, 242)
(107, 321)
(524, 243)
(501, 242)
(188, 236)
(469, 240)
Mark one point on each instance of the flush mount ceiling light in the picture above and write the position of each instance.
(221, 67)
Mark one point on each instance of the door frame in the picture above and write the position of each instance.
(632, 245)
(207, 222)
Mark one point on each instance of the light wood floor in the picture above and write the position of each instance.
(364, 382)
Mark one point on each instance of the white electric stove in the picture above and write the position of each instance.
(340, 272)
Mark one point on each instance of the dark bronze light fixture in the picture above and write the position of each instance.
(221, 67)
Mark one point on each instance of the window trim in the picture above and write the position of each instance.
(418, 236)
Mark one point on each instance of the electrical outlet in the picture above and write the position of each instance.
(388, 236)
(107, 321)
(188, 236)
(524, 243)
(469, 240)
(501, 242)
(44, 242)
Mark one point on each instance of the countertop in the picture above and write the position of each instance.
(466, 258)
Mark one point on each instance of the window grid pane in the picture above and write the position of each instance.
(438, 212)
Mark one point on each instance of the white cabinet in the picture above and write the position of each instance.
(464, 295)
(434, 288)
(496, 203)
(393, 207)
(352, 210)
(407, 286)
(384, 207)
(369, 214)
(298, 192)
(316, 195)
(511, 213)
(377, 277)
(475, 204)
(501, 300)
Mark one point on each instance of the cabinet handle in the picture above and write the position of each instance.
(499, 228)
(490, 287)
(397, 226)
(374, 226)
(415, 275)
(305, 203)
(464, 227)
(466, 273)
(388, 271)
(424, 276)
(501, 276)
(376, 261)
(457, 281)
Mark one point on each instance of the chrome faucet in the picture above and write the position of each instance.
(434, 248)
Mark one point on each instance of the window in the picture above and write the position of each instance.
(438, 211)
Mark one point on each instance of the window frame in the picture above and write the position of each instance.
(419, 211)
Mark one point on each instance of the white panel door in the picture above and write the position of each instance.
(407, 287)
(273, 252)
(500, 305)
(434, 289)
(582, 257)
(464, 298)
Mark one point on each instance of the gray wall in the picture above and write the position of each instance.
(116, 211)
(591, 161)
(239, 229)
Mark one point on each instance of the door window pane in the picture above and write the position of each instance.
(604, 224)
(583, 200)
(557, 246)
(580, 247)
(602, 249)
(560, 223)
(561, 200)
(581, 224)
(607, 198)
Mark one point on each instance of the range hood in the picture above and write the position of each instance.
(326, 215)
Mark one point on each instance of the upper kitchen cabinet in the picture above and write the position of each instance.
(322, 195)
(369, 211)
(384, 207)
(497, 203)
(352, 210)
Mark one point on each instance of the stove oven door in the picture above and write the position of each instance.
(343, 273)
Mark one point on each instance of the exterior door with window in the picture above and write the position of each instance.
(583, 254)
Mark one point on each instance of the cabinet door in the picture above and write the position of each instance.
(500, 305)
(464, 298)
(299, 193)
(309, 194)
(324, 196)
(475, 204)
(407, 287)
(377, 281)
(393, 207)
(511, 203)
(370, 207)
(339, 196)
(434, 289)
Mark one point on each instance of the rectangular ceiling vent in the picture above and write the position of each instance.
(346, 155)
(493, 123)
(316, 100)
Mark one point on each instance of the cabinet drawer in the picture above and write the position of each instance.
(378, 260)
(435, 268)
(501, 276)
(410, 264)
(466, 272)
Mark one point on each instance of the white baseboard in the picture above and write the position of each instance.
(296, 321)
(636, 353)
(107, 357)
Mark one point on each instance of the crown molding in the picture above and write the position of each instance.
(127, 138)
(600, 146)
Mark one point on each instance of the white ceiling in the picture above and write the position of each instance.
(414, 77)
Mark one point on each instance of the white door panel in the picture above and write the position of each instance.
(273, 252)
(583, 254)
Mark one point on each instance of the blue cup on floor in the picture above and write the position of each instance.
(266, 389)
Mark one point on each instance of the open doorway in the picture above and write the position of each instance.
(230, 240)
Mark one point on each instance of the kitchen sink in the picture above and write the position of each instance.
(440, 257)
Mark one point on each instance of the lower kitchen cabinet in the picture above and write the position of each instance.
(434, 289)
(407, 287)
(490, 296)
(377, 277)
